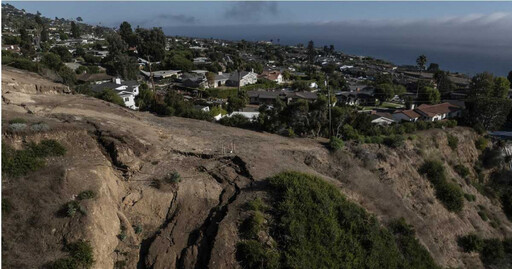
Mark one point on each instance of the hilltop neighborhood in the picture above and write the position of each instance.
(144, 69)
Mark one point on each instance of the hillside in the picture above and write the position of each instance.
(145, 216)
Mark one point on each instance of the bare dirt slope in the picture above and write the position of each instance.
(125, 156)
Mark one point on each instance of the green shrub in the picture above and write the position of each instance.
(253, 255)
(17, 127)
(335, 144)
(483, 215)
(491, 158)
(252, 225)
(138, 229)
(88, 194)
(470, 197)
(291, 133)
(394, 141)
(318, 228)
(492, 251)
(71, 208)
(257, 205)
(453, 141)
(175, 177)
(81, 252)
(450, 194)
(471, 243)
(6, 206)
(39, 127)
(481, 143)
(111, 96)
(434, 170)
(16, 163)
(47, 147)
(462, 170)
(17, 120)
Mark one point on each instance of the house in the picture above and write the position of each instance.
(381, 118)
(220, 79)
(97, 78)
(439, 111)
(275, 76)
(406, 115)
(125, 89)
(193, 80)
(201, 60)
(245, 77)
(202, 108)
(162, 74)
(364, 97)
(270, 97)
(252, 116)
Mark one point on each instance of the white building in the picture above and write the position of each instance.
(125, 89)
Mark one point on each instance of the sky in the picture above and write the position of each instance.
(462, 36)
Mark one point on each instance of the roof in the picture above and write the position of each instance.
(433, 110)
(161, 73)
(271, 75)
(89, 77)
(409, 113)
(234, 75)
(130, 85)
(304, 95)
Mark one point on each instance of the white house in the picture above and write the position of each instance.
(439, 111)
(246, 78)
(125, 89)
(406, 115)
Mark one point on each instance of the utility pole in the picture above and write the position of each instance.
(329, 104)
(151, 74)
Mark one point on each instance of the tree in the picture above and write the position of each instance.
(501, 87)
(489, 112)
(509, 77)
(486, 85)
(311, 56)
(235, 103)
(124, 66)
(63, 52)
(110, 95)
(75, 30)
(421, 61)
(151, 43)
(52, 61)
(79, 19)
(433, 67)
(127, 34)
(210, 77)
(429, 95)
(178, 62)
(116, 45)
(444, 84)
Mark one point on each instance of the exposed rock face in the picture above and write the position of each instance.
(126, 157)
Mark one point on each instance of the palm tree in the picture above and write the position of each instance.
(421, 61)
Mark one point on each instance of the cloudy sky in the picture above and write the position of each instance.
(462, 36)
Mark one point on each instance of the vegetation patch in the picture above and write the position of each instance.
(81, 256)
(316, 227)
(481, 143)
(16, 163)
(449, 193)
(494, 253)
(453, 141)
(462, 170)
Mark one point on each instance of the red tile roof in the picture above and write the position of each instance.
(433, 110)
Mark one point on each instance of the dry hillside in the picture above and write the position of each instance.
(123, 156)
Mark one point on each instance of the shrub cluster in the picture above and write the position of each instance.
(448, 193)
(316, 227)
(493, 252)
(16, 163)
(481, 143)
(462, 170)
(453, 141)
(81, 253)
(335, 143)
